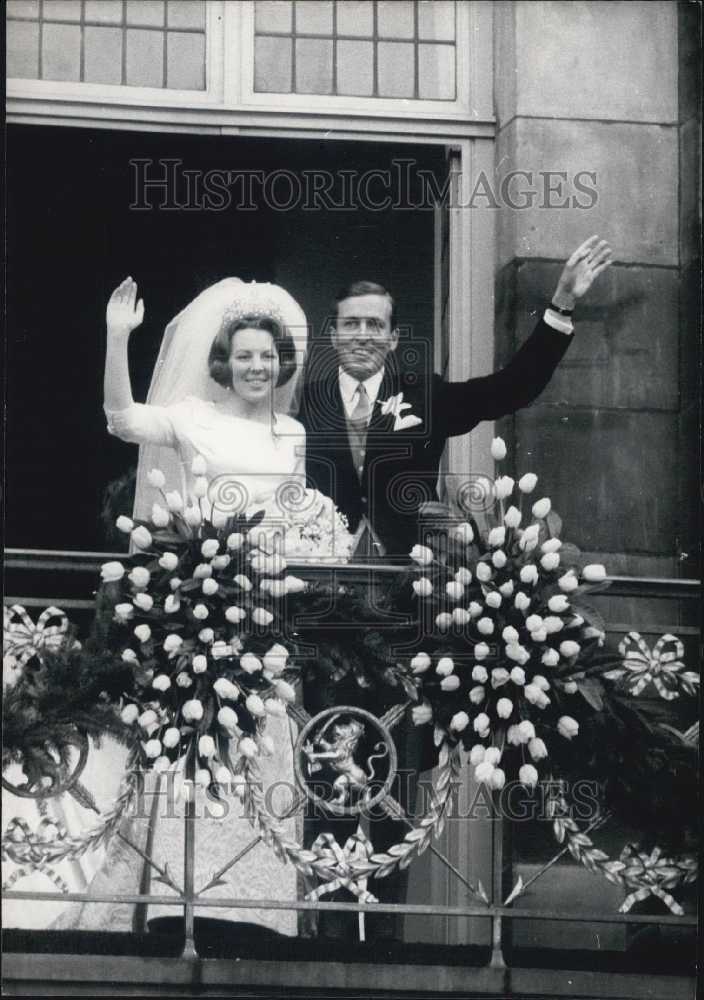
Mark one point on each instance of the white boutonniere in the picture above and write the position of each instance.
(395, 406)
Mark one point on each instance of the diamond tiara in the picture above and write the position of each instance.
(255, 300)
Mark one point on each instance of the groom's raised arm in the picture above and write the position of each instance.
(460, 406)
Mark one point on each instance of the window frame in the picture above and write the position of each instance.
(468, 21)
(229, 97)
(124, 94)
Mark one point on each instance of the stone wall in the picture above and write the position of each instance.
(596, 87)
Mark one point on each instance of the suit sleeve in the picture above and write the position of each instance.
(460, 406)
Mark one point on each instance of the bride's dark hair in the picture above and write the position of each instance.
(219, 356)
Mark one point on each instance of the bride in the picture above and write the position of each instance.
(226, 375)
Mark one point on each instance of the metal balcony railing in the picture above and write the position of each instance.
(91, 963)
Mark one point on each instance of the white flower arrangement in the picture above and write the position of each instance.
(198, 620)
(512, 639)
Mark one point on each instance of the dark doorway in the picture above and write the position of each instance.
(74, 233)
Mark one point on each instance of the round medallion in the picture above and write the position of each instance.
(345, 760)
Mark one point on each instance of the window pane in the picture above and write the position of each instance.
(22, 8)
(272, 65)
(396, 69)
(314, 16)
(185, 14)
(106, 11)
(145, 12)
(436, 72)
(355, 18)
(355, 68)
(61, 52)
(23, 50)
(103, 55)
(313, 66)
(395, 18)
(185, 60)
(145, 58)
(273, 15)
(61, 10)
(436, 19)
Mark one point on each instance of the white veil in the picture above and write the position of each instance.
(181, 368)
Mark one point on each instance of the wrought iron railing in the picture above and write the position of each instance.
(37, 579)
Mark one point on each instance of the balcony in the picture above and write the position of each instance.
(564, 937)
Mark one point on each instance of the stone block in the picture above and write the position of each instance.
(632, 171)
(605, 60)
(610, 474)
(625, 351)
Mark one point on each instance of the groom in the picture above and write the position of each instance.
(375, 437)
(376, 434)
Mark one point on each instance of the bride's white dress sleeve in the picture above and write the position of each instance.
(142, 423)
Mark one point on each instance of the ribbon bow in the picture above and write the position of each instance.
(22, 844)
(662, 667)
(652, 875)
(23, 639)
(339, 861)
(27, 848)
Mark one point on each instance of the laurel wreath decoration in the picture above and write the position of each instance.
(351, 866)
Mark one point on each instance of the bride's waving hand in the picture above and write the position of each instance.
(124, 314)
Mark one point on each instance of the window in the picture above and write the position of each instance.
(357, 48)
(133, 43)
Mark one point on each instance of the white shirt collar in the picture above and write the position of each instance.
(348, 388)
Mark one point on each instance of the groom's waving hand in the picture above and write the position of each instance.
(375, 434)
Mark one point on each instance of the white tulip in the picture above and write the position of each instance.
(567, 726)
(497, 536)
(504, 707)
(459, 722)
(528, 775)
(157, 479)
(528, 482)
(445, 666)
(129, 714)
(541, 508)
(498, 449)
(422, 555)
(464, 533)
(537, 748)
(477, 694)
(450, 683)
(420, 663)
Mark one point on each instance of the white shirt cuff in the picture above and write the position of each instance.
(558, 322)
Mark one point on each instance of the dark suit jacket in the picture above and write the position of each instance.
(401, 467)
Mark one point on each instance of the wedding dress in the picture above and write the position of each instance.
(187, 414)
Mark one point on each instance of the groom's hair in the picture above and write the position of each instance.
(358, 288)
(219, 356)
